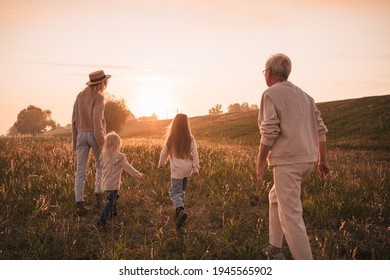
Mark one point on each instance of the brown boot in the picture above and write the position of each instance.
(99, 200)
(81, 210)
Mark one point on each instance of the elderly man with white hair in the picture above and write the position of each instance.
(293, 139)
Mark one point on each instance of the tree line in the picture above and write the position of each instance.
(233, 108)
(35, 121)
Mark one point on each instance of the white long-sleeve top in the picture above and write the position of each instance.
(181, 168)
(290, 122)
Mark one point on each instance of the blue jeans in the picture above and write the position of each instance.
(176, 191)
(110, 206)
(86, 141)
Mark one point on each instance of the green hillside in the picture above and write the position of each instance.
(362, 123)
(358, 123)
(226, 128)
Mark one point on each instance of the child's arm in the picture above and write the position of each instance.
(129, 169)
(195, 158)
(163, 157)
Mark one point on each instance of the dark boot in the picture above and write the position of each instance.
(81, 210)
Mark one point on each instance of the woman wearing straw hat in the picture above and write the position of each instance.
(89, 129)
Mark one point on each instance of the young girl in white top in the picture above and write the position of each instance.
(180, 148)
(113, 162)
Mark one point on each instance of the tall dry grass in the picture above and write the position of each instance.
(347, 218)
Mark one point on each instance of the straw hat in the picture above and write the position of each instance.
(97, 77)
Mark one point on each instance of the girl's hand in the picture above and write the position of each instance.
(141, 176)
(196, 173)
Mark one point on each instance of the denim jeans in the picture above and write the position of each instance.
(176, 191)
(110, 206)
(86, 141)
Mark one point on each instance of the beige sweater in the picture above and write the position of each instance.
(290, 122)
(88, 116)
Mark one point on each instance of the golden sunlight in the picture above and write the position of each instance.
(153, 99)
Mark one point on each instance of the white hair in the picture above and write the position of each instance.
(279, 65)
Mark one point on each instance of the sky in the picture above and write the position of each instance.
(169, 56)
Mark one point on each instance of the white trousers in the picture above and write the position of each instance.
(285, 210)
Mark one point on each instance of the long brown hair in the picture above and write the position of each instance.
(179, 137)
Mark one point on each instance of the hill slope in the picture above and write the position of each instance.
(362, 123)
(237, 128)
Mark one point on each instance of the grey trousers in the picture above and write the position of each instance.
(176, 191)
(85, 142)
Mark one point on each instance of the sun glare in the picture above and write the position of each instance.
(153, 99)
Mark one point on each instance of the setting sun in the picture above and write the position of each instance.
(153, 99)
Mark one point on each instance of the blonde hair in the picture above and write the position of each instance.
(97, 88)
(112, 144)
(179, 137)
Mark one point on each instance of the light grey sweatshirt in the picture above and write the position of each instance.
(290, 122)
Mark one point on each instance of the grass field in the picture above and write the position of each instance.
(347, 218)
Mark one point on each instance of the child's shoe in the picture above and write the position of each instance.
(181, 217)
(113, 214)
(101, 223)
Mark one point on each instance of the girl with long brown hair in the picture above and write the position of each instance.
(180, 148)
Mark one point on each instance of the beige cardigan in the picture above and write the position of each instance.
(290, 122)
(112, 171)
(88, 116)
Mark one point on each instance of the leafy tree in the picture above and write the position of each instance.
(244, 107)
(234, 108)
(116, 113)
(217, 110)
(12, 131)
(33, 120)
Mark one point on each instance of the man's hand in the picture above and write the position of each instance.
(260, 164)
(324, 169)
(260, 174)
(323, 165)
